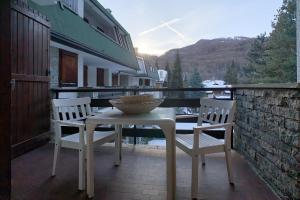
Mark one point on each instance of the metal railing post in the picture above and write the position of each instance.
(134, 136)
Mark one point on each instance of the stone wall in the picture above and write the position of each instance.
(267, 133)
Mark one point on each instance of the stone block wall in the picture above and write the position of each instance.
(267, 134)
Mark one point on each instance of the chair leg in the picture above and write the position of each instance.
(56, 154)
(203, 158)
(118, 145)
(81, 181)
(228, 163)
(195, 166)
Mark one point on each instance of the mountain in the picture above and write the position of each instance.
(209, 57)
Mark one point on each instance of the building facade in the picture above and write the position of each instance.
(89, 48)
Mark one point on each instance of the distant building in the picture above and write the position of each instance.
(216, 84)
(147, 74)
(163, 75)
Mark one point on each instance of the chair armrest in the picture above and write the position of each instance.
(69, 123)
(208, 127)
(185, 116)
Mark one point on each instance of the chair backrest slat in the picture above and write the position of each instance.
(71, 109)
(88, 109)
(83, 111)
(77, 115)
(63, 113)
(70, 112)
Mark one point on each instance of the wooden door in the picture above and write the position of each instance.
(68, 69)
(115, 80)
(30, 114)
(85, 75)
(5, 119)
(100, 77)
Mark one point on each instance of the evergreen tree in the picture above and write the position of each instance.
(281, 52)
(169, 75)
(273, 58)
(185, 80)
(231, 74)
(257, 59)
(196, 80)
(177, 81)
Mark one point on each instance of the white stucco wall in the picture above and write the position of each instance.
(133, 81)
(80, 71)
(123, 80)
(92, 76)
(107, 77)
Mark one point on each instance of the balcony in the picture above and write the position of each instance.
(140, 176)
(265, 152)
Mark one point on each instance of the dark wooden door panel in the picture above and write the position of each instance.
(30, 101)
(85, 75)
(68, 68)
(5, 119)
(100, 77)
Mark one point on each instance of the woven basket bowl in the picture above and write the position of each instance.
(137, 98)
(136, 108)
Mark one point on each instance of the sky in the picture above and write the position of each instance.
(157, 26)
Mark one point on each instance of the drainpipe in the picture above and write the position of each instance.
(298, 40)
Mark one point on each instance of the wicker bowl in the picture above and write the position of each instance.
(136, 98)
(136, 108)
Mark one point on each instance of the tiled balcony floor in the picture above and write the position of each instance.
(140, 176)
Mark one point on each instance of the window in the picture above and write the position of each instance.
(115, 80)
(100, 77)
(147, 82)
(141, 81)
(85, 75)
(67, 69)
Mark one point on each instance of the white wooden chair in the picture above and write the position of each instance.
(218, 114)
(72, 113)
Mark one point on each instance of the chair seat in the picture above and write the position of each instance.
(72, 141)
(190, 126)
(205, 141)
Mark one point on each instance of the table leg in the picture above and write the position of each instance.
(169, 131)
(118, 144)
(90, 159)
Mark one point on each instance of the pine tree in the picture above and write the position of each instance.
(177, 81)
(231, 74)
(257, 59)
(281, 52)
(196, 80)
(169, 75)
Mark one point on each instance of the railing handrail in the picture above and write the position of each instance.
(122, 89)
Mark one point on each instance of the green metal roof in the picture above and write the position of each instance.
(67, 24)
